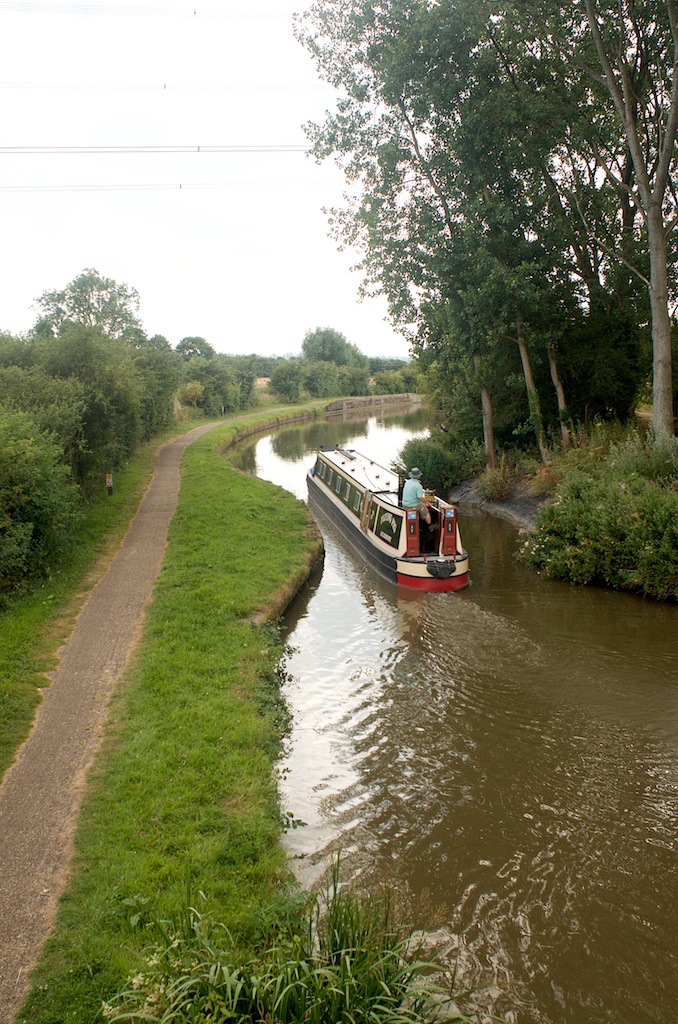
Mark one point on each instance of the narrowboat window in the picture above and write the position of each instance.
(356, 501)
(337, 486)
(329, 478)
(347, 491)
(321, 469)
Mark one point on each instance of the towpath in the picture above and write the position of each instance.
(41, 793)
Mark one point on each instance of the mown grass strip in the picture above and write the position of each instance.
(183, 794)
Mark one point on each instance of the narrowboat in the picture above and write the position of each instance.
(363, 499)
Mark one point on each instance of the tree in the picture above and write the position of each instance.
(220, 388)
(190, 393)
(433, 207)
(112, 391)
(94, 301)
(637, 46)
(324, 344)
(321, 379)
(159, 370)
(478, 144)
(286, 378)
(624, 55)
(188, 348)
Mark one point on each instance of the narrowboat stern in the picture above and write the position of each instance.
(363, 499)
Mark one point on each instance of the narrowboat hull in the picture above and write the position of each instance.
(361, 499)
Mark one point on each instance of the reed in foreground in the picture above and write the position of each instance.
(343, 958)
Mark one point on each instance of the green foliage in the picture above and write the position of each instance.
(441, 467)
(327, 345)
(159, 374)
(113, 391)
(286, 380)
(93, 301)
(190, 393)
(321, 379)
(615, 520)
(395, 382)
(646, 456)
(56, 404)
(37, 500)
(343, 960)
(220, 390)
(354, 380)
(495, 484)
(189, 348)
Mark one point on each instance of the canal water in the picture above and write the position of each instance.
(506, 757)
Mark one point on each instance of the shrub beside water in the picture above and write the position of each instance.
(441, 467)
(615, 521)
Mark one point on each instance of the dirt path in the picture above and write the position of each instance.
(41, 793)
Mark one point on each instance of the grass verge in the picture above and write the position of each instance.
(183, 792)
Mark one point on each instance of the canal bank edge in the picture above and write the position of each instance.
(520, 506)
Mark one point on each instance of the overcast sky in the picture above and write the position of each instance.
(238, 254)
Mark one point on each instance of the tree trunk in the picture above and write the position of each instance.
(560, 395)
(533, 398)
(662, 383)
(488, 425)
(651, 140)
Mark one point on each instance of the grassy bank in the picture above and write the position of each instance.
(183, 793)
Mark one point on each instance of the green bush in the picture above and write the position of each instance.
(440, 467)
(615, 521)
(37, 500)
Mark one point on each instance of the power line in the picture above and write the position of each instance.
(166, 187)
(27, 7)
(104, 150)
(171, 86)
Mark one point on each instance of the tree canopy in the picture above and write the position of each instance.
(494, 192)
(94, 301)
(326, 345)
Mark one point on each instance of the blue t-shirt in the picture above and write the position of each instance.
(413, 492)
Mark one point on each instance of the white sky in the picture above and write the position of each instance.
(246, 263)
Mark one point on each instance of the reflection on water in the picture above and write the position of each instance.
(509, 756)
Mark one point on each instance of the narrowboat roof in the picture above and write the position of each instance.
(364, 471)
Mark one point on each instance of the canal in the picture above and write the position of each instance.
(506, 757)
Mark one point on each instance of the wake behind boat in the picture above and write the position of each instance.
(364, 500)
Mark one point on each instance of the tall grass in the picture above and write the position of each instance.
(343, 960)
